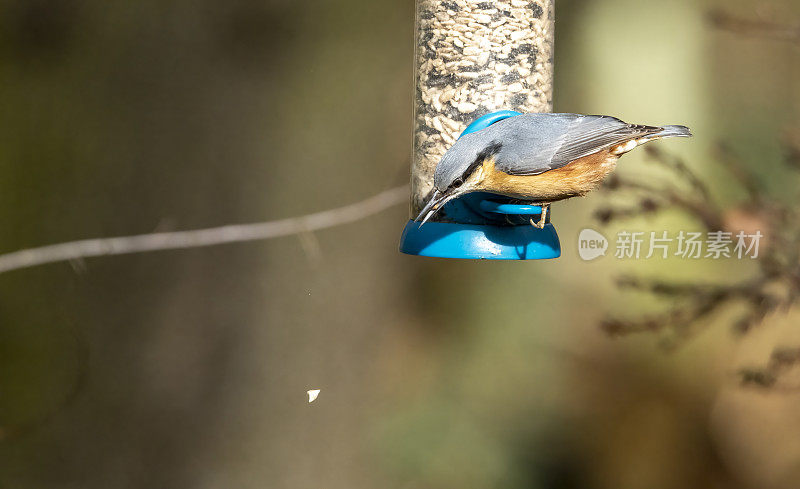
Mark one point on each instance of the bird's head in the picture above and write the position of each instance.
(459, 172)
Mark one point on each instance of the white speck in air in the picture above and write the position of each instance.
(312, 394)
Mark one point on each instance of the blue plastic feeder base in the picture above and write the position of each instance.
(480, 241)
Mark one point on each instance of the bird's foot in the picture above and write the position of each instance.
(542, 218)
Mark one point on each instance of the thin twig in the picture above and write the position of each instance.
(745, 178)
(703, 210)
(235, 233)
(679, 167)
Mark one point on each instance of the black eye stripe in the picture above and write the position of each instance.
(489, 151)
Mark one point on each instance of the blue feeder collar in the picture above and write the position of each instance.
(483, 226)
(522, 210)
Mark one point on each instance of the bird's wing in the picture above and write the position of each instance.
(536, 143)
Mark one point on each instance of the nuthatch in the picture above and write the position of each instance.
(539, 158)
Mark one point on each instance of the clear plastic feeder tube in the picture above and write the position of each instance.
(473, 58)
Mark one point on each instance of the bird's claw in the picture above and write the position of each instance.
(542, 218)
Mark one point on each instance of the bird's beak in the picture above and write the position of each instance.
(435, 203)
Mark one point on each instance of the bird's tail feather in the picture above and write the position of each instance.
(674, 131)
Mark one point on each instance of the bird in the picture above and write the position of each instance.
(538, 158)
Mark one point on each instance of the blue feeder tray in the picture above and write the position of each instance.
(486, 226)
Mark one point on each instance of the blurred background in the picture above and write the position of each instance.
(189, 369)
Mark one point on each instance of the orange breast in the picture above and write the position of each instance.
(571, 180)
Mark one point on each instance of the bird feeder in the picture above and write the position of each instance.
(478, 62)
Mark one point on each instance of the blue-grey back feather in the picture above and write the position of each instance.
(531, 144)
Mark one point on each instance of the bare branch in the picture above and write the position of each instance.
(235, 233)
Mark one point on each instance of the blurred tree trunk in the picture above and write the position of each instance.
(128, 118)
